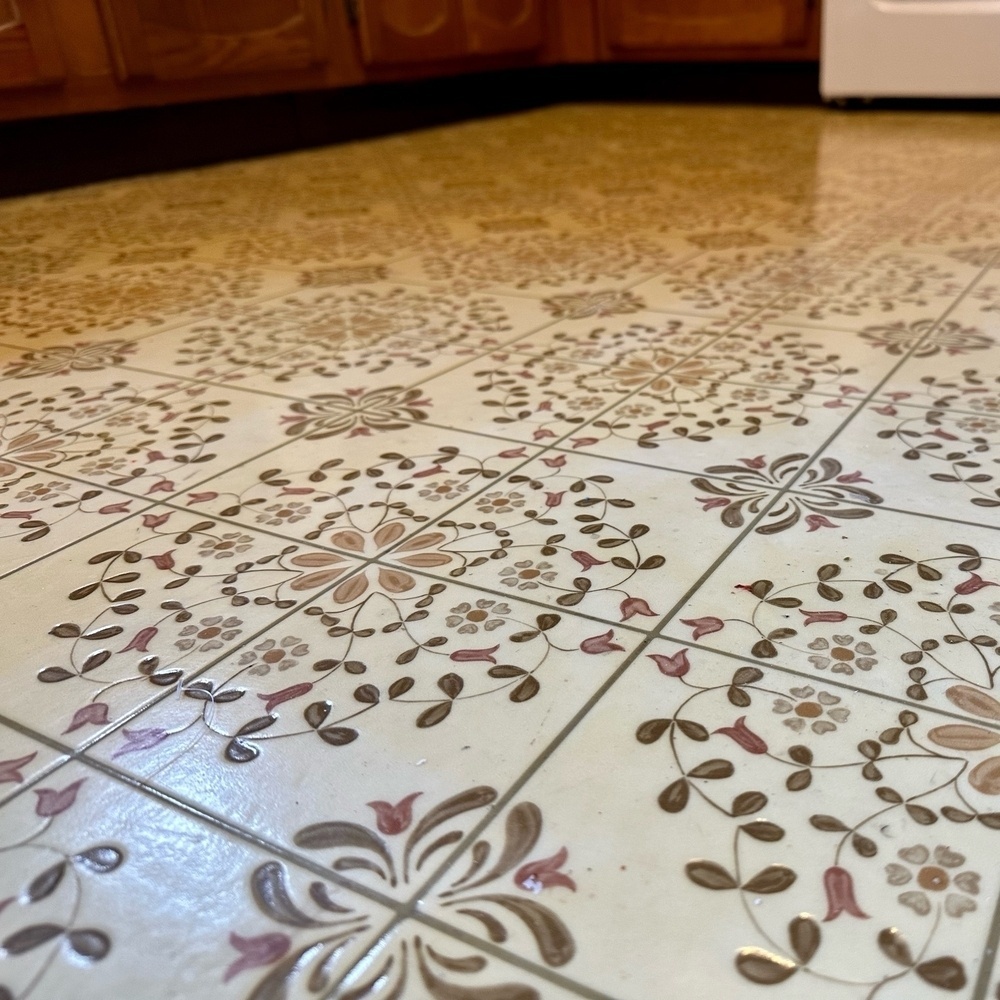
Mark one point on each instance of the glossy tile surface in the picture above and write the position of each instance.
(544, 557)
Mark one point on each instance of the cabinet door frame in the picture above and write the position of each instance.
(37, 30)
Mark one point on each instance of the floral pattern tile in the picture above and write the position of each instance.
(140, 607)
(795, 821)
(90, 861)
(545, 556)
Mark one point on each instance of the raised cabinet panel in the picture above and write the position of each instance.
(496, 26)
(29, 52)
(402, 31)
(678, 24)
(185, 39)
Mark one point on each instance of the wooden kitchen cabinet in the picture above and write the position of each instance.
(652, 28)
(29, 49)
(410, 31)
(185, 39)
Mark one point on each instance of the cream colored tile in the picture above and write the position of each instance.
(410, 691)
(894, 604)
(366, 499)
(718, 824)
(23, 759)
(415, 958)
(119, 619)
(105, 888)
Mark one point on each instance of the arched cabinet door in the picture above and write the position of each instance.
(503, 25)
(691, 24)
(402, 31)
(184, 39)
(29, 51)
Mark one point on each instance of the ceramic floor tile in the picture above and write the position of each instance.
(572, 531)
(117, 302)
(415, 959)
(121, 618)
(409, 689)
(346, 500)
(776, 834)
(23, 760)
(932, 461)
(893, 603)
(368, 500)
(102, 882)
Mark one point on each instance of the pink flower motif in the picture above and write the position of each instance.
(816, 521)
(512, 453)
(392, 819)
(822, 616)
(140, 739)
(834, 404)
(484, 655)
(115, 508)
(433, 471)
(586, 560)
(583, 442)
(897, 396)
(938, 432)
(853, 477)
(633, 606)
(256, 951)
(20, 515)
(601, 643)
(707, 503)
(201, 497)
(758, 462)
(285, 694)
(154, 520)
(10, 770)
(51, 803)
(544, 873)
(163, 486)
(141, 639)
(887, 411)
(744, 736)
(156, 456)
(847, 390)
(974, 583)
(839, 888)
(676, 665)
(95, 714)
(704, 626)
(555, 463)
(554, 499)
(360, 432)
(164, 560)
(542, 407)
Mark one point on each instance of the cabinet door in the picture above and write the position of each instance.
(29, 53)
(402, 31)
(182, 39)
(665, 24)
(503, 25)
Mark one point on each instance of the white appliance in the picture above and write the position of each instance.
(910, 48)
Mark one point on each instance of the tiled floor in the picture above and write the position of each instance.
(546, 557)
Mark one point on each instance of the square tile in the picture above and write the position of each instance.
(100, 880)
(793, 857)
(137, 608)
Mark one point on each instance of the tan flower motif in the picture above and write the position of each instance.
(102, 466)
(843, 653)
(931, 879)
(498, 502)
(639, 367)
(226, 546)
(525, 574)
(281, 513)
(979, 425)
(42, 490)
(210, 633)
(985, 404)
(444, 489)
(269, 653)
(470, 618)
(819, 711)
(985, 776)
